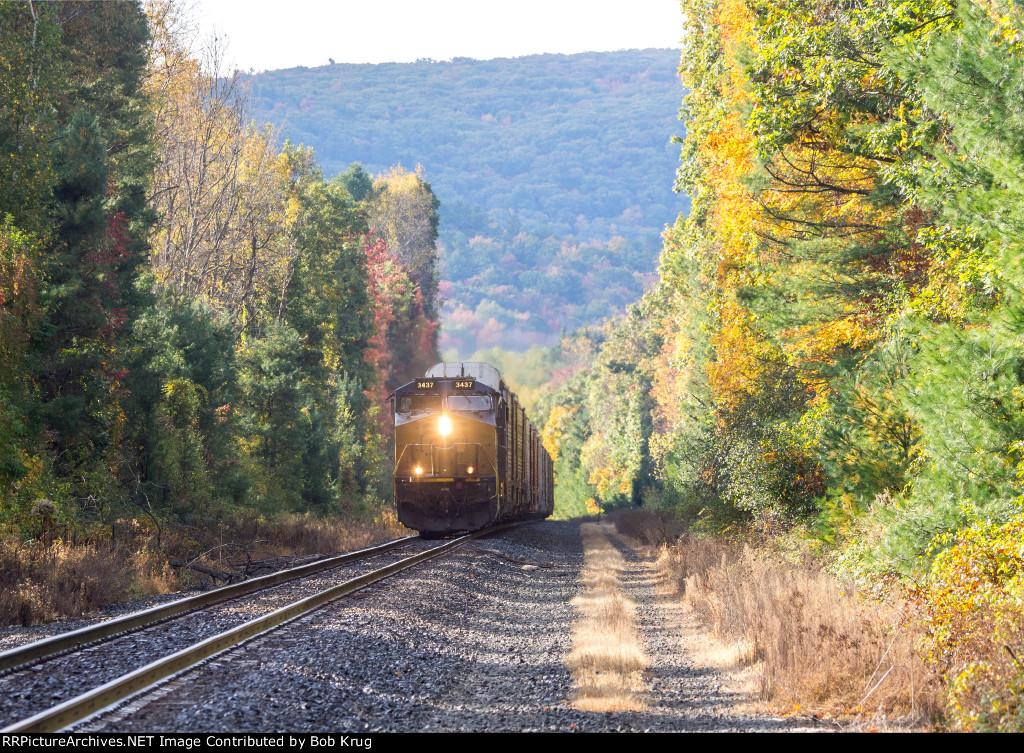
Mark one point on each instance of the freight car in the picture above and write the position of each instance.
(466, 455)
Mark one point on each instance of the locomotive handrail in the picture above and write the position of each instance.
(406, 447)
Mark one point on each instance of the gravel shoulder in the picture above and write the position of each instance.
(475, 642)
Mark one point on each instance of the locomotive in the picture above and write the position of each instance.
(466, 455)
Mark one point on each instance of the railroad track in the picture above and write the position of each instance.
(35, 658)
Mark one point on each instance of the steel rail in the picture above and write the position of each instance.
(88, 703)
(47, 646)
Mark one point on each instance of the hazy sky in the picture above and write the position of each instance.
(268, 34)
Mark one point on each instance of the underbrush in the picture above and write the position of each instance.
(44, 582)
(300, 535)
(59, 577)
(248, 535)
(649, 527)
(973, 605)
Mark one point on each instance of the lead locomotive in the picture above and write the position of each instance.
(466, 456)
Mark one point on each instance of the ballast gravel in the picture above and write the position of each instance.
(37, 686)
(475, 642)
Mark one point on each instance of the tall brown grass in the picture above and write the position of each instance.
(817, 644)
(649, 527)
(44, 582)
(300, 535)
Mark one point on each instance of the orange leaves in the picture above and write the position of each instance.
(727, 156)
(745, 358)
(818, 345)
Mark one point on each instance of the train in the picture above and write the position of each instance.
(466, 455)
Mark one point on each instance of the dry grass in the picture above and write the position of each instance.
(607, 660)
(51, 580)
(300, 535)
(55, 581)
(649, 527)
(816, 645)
(230, 544)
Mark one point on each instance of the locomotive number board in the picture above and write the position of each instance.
(459, 384)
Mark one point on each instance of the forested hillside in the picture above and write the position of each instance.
(553, 171)
(835, 345)
(197, 327)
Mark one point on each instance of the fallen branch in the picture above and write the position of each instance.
(215, 574)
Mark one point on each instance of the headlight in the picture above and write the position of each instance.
(444, 425)
(469, 471)
(418, 471)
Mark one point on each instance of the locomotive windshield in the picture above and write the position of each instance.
(469, 403)
(417, 406)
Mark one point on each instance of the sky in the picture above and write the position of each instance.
(271, 34)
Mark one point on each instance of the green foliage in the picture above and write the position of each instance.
(972, 77)
(180, 463)
(564, 434)
(182, 411)
(356, 181)
(19, 309)
(76, 162)
(870, 440)
(118, 403)
(31, 72)
(547, 166)
(327, 301)
(965, 381)
(274, 410)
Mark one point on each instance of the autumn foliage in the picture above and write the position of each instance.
(196, 324)
(832, 351)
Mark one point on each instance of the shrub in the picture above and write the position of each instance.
(44, 582)
(973, 605)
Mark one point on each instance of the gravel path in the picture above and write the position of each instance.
(35, 687)
(474, 642)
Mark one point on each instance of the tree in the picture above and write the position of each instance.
(403, 211)
(220, 187)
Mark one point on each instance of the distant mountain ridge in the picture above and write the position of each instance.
(554, 172)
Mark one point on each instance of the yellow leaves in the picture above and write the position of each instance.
(818, 344)
(734, 26)
(744, 356)
(554, 429)
(224, 192)
(401, 211)
(972, 606)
